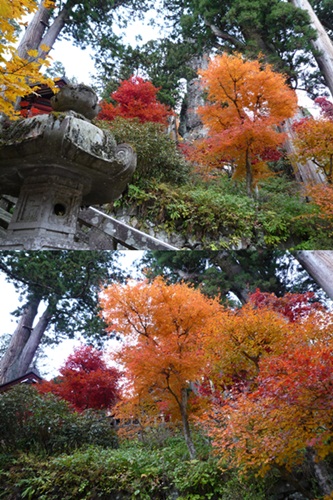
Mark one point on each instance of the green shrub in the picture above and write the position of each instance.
(45, 424)
(157, 154)
(219, 214)
(132, 472)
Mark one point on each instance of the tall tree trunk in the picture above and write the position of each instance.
(40, 33)
(319, 264)
(18, 340)
(323, 48)
(34, 341)
(24, 342)
(249, 175)
(306, 172)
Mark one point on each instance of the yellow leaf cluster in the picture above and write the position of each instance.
(49, 4)
(17, 75)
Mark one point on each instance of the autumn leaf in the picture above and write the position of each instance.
(314, 141)
(17, 75)
(135, 98)
(246, 102)
(86, 381)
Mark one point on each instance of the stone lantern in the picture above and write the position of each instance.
(55, 163)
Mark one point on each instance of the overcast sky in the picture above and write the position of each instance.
(79, 63)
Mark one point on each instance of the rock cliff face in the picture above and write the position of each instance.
(191, 127)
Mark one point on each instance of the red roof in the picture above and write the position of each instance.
(38, 103)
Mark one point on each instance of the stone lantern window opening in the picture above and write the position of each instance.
(59, 209)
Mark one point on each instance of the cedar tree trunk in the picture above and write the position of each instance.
(24, 342)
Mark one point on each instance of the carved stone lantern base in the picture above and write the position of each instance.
(46, 213)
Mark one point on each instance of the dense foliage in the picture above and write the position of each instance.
(135, 98)
(231, 273)
(134, 471)
(46, 425)
(218, 213)
(278, 30)
(86, 381)
(157, 154)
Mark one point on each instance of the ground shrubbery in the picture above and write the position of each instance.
(47, 451)
(44, 424)
(219, 214)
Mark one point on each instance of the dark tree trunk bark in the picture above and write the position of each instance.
(186, 426)
(24, 342)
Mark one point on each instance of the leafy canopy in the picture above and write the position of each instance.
(68, 281)
(246, 103)
(86, 381)
(277, 402)
(135, 98)
(277, 29)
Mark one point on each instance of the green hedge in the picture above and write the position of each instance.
(134, 472)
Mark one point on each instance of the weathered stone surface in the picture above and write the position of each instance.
(54, 164)
(71, 147)
(79, 98)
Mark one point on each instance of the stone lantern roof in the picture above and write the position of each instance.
(54, 163)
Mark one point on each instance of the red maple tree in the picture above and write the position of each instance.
(135, 98)
(86, 381)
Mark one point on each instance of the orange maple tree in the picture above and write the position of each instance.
(162, 354)
(237, 343)
(246, 101)
(135, 98)
(314, 141)
(86, 381)
(280, 406)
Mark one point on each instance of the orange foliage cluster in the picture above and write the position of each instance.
(136, 98)
(322, 196)
(164, 327)
(246, 102)
(314, 142)
(258, 379)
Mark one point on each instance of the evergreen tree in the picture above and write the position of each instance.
(67, 283)
(278, 30)
(241, 272)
